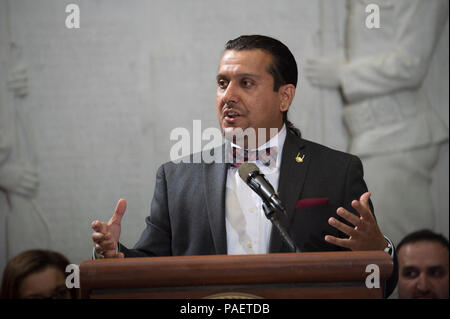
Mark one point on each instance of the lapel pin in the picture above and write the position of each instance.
(299, 159)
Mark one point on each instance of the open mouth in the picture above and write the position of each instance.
(230, 115)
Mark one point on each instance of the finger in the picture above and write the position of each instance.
(364, 199)
(362, 206)
(99, 227)
(118, 212)
(346, 243)
(105, 246)
(113, 254)
(342, 227)
(99, 249)
(108, 243)
(350, 217)
(98, 237)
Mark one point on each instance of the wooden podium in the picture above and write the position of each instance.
(284, 275)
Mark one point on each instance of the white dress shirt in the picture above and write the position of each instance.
(248, 229)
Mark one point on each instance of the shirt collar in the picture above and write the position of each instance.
(277, 140)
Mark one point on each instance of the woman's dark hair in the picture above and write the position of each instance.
(27, 263)
(283, 67)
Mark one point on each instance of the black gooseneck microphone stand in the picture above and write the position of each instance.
(272, 216)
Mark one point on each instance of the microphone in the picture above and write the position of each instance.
(251, 175)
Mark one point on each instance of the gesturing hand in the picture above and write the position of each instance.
(365, 235)
(106, 235)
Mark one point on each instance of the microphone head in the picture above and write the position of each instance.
(246, 169)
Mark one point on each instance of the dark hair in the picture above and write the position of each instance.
(423, 235)
(27, 263)
(283, 67)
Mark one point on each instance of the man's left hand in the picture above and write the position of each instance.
(365, 235)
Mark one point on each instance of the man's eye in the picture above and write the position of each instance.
(247, 83)
(436, 272)
(410, 274)
(222, 84)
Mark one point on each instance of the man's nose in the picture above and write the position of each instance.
(423, 283)
(231, 94)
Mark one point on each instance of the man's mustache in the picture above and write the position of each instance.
(231, 106)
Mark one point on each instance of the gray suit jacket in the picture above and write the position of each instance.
(188, 208)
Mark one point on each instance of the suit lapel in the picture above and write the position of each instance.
(291, 181)
(214, 183)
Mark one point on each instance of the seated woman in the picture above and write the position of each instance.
(36, 274)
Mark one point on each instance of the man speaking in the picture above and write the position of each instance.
(207, 208)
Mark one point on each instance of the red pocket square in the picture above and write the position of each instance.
(308, 202)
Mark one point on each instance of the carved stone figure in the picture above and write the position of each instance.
(26, 228)
(392, 125)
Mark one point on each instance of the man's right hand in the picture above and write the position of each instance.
(106, 235)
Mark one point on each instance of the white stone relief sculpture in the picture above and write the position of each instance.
(26, 227)
(15, 176)
(392, 125)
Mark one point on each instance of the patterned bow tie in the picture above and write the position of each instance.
(267, 157)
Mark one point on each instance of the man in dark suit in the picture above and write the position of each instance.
(205, 208)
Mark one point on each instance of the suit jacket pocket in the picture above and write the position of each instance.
(308, 202)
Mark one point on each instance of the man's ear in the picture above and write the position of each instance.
(287, 93)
